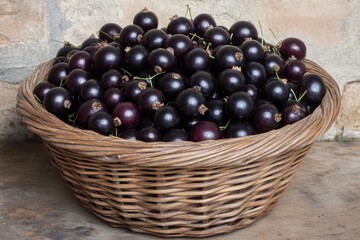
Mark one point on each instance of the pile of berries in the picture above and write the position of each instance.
(192, 80)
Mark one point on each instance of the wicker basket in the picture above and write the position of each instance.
(177, 189)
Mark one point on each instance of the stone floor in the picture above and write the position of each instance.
(322, 201)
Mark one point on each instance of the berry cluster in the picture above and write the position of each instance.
(192, 80)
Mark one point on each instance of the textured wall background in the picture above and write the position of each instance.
(30, 32)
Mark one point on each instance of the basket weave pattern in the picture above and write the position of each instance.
(177, 189)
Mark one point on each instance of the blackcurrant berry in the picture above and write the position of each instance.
(110, 32)
(237, 129)
(205, 130)
(166, 118)
(241, 31)
(190, 103)
(240, 106)
(102, 123)
(146, 20)
(126, 115)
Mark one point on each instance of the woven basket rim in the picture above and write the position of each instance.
(108, 148)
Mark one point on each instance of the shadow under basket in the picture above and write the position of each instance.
(192, 189)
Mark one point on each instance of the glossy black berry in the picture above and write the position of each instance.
(216, 36)
(216, 111)
(150, 134)
(133, 89)
(146, 20)
(166, 118)
(314, 87)
(162, 60)
(58, 73)
(229, 56)
(154, 38)
(110, 32)
(293, 112)
(273, 64)
(202, 22)
(150, 100)
(292, 47)
(130, 134)
(131, 35)
(171, 84)
(205, 81)
(237, 129)
(91, 41)
(196, 60)
(252, 50)
(240, 106)
(58, 101)
(190, 103)
(106, 58)
(242, 30)
(180, 25)
(254, 73)
(276, 91)
(112, 97)
(75, 79)
(102, 123)
(126, 115)
(175, 135)
(230, 81)
(266, 117)
(180, 44)
(136, 58)
(294, 70)
(205, 130)
(82, 60)
(41, 89)
(91, 89)
(112, 78)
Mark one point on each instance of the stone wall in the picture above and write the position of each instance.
(32, 31)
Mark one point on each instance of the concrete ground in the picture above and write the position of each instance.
(322, 201)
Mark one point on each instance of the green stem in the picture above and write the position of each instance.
(72, 117)
(272, 32)
(262, 34)
(298, 99)
(125, 71)
(222, 128)
(149, 78)
(38, 99)
(277, 74)
(188, 10)
(62, 82)
(65, 43)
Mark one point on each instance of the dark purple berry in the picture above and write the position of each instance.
(58, 101)
(146, 19)
(292, 47)
(205, 130)
(180, 25)
(202, 22)
(110, 32)
(150, 134)
(240, 106)
(102, 123)
(190, 103)
(266, 117)
(241, 31)
(166, 118)
(237, 129)
(126, 115)
(175, 135)
(41, 89)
